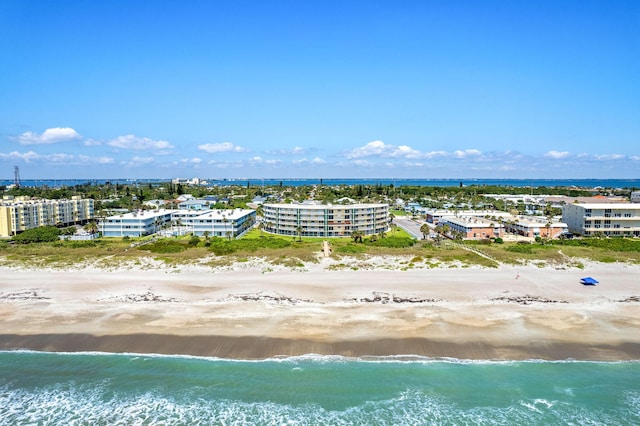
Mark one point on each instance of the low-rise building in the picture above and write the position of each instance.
(473, 227)
(325, 220)
(434, 216)
(22, 213)
(538, 226)
(135, 224)
(194, 204)
(215, 223)
(614, 219)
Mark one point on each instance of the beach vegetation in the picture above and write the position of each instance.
(164, 246)
(351, 249)
(394, 242)
(38, 235)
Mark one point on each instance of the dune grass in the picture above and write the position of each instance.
(294, 252)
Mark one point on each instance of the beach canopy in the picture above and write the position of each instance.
(589, 281)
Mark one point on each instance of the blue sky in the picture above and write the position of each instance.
(320, 89)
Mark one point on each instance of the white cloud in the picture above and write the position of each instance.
(138, 161)
(297, 150)
(92, 142)
(85, 159)
(305, 160)
(61, 158)
(362, 163)
(380, 149)
(466, 153)
(435, 154)
(609, 157)
(557, 154)
(49, 136)
(194, 160)
(370, 149)
(405, 151)
(25, 156)
(105, 160)
(138, 143)
(635, 157)
(213, 148)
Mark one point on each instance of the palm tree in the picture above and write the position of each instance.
(268, 226)
(91, 227)
(299, 230)
(425, 230)
(225, 221)
(357, 236)
(261, 226)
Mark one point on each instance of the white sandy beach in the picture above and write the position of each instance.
(254, 310)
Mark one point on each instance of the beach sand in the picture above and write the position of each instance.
(253, 311)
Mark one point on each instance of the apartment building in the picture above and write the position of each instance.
(436, 215)
(320, 220)
(614, 219)
(536, 226)
(22, 213)
(135, 224)
(473, 227)
(216, 223)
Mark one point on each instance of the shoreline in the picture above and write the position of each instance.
(505, 313)
(251, 348)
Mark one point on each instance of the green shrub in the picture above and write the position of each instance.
(394, 242)
(499, 240)
(614, 244)
(351, 249)
(222, 246)
(520, 248)
(38, 235)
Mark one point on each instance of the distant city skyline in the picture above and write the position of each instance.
(351, 89)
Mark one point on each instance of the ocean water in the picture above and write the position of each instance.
(124, 389)
(580, 183)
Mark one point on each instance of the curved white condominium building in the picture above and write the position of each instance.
(322, 220)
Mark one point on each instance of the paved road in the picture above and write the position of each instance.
(410, 225)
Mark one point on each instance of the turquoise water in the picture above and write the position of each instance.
(114, 389)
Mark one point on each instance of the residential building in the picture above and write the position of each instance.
(220, 223)
(223, 222)
(325, 220)
(614, 219)
(537, 226)
(435, 216)
(473, 227)
(22, 213)
(194, 204)
(135, 224)
(635, 197)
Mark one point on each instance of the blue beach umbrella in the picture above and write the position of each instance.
(589, 281)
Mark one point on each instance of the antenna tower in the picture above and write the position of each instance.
(16, 176)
